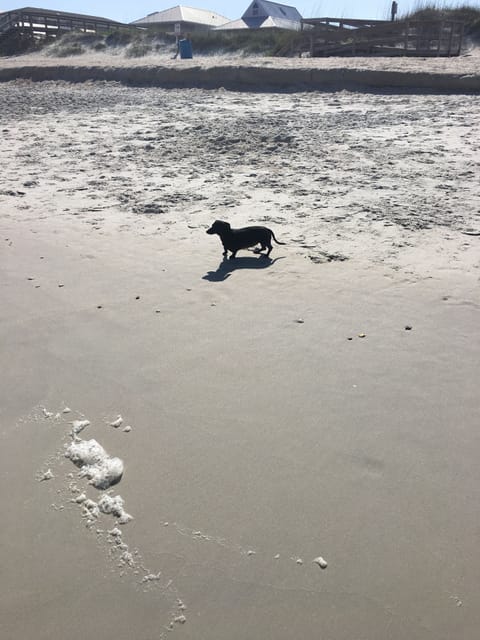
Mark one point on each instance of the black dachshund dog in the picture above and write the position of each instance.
(235, 239)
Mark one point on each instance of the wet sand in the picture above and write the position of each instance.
(323, 403)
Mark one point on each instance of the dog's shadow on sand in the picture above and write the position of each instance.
(227, 266)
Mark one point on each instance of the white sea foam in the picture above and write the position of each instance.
(103, 471)
(90, 509)
(95, 464)
(79, 425)
(152, 577)
(114, 505)
(127, 558)
(48, 475)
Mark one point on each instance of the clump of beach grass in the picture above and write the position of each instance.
(466, 13)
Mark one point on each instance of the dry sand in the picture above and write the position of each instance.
(455, 74)
(321, 404)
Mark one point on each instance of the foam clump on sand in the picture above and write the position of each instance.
(48, 475)
(90, 509)
(117, 423)
(322, 563)
(95, 464)
(114, 506)
(78, 426)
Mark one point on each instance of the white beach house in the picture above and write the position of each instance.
(182, 19)
(262, 14)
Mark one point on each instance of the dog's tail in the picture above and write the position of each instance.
(277, 241)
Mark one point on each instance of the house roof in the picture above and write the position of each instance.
(274, 10)
(263, 15)
(184, 14)
(233, 24)
(259, 23)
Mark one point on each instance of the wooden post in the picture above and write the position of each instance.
(462, 30)
(450, 39)
(440, 36)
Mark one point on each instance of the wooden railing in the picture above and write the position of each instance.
(335, 36)
(44, 23)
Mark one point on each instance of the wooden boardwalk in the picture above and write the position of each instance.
(343, 36)
(43, 23)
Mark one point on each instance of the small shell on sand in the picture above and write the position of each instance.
(127, 429)
(116, 423)
(48, 475)
(322, 563)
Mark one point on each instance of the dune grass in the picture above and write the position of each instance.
(135, 43)
(467, 13)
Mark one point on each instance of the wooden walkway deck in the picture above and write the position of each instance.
(344, 36)
(43, 23)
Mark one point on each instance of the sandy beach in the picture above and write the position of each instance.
(246, 449)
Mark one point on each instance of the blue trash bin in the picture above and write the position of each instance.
(185, 48)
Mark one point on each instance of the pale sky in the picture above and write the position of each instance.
(129, 11)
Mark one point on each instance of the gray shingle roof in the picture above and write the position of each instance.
(184, 14)
(273, 10)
